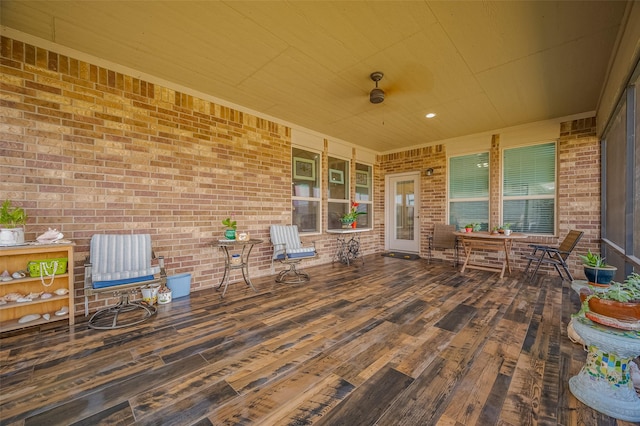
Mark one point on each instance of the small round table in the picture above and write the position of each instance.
(347, 250)
(242, 264)
(604, 382)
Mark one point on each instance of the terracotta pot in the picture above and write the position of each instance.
(625, 311)
(353, 225)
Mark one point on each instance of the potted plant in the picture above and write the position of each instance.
(596, 270)
(470, 227)
(494, 230)
(617, 305)
(350, 218)
(12, 220)
(231, 226)
(505, 228)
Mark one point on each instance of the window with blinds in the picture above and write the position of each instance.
(305, 185)
(469, 190)
(338, 202)
(529, 188)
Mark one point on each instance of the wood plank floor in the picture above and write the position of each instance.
(390, 342)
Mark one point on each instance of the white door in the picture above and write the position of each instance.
(401, 210)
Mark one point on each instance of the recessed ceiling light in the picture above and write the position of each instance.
(430, 115)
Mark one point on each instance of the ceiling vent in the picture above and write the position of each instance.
(376, 95)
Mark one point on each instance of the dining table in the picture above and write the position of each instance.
(481, 240)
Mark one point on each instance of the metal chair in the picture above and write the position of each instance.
(443, 238)
(121, 264)
(556, 256)
(288, 249)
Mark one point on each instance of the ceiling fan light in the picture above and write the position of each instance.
(376, 96)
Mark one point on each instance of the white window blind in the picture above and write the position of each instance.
(529, 188)
(469, 190)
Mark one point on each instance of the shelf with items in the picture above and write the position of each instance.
(59, 304)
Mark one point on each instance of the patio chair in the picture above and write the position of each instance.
(555, 256)
(288, 250)
(443, 238)
(121, 264)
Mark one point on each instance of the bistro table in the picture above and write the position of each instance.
(487, 241)
(347, 249)
(237, 261)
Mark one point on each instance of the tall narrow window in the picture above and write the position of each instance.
(364, 194)
(529, 188)
(469, 190)
(338, 185)
(306, 196)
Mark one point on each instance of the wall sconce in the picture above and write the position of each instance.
(429, 171)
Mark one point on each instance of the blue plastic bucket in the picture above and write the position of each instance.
(180, 285)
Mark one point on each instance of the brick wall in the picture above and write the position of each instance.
(87, 150)
(578, 191)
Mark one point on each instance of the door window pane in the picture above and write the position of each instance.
(404, 208)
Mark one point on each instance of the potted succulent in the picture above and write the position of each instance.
(231, 226)
(617, 305)
(598, 273)
(12, 220)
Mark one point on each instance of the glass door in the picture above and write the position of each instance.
(403, 231)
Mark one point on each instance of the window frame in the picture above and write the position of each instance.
(368, 185)
(486, 198)
(314, 193)
(345, 180)
(553, 197)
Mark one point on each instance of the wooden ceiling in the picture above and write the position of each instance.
(478, 65)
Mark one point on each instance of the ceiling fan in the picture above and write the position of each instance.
(376, 95)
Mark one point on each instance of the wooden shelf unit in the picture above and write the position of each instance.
(16, 258)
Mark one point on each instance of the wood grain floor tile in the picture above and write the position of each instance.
(388, 342)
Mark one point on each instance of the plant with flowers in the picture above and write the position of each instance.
(353, 213)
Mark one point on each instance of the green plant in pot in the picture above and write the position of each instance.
(619, 301)
(12, 220)
(598, 272)
(351, 217)
(231, 225)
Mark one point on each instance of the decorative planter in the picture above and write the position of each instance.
(11, 236)
(346, 224)
(625, 311)
(354, 224)
(230, 234)
(600, 276)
